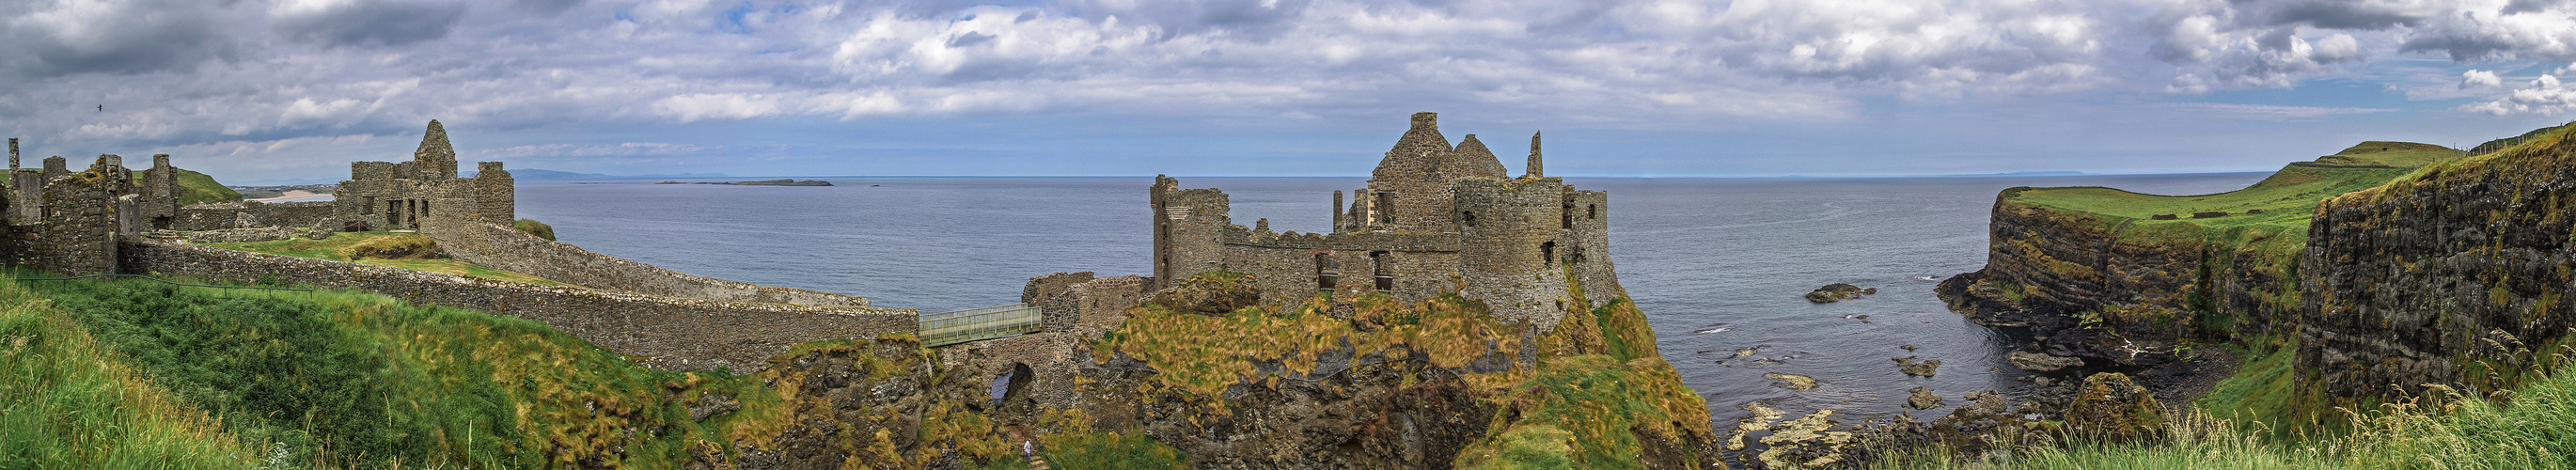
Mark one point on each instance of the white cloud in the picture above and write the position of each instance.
(619, 149)
(2479, 78)
(2273, 112)
(2545, 96)
(175, 72)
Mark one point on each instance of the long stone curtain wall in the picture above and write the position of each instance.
(667, 332)
(508, 249)
(247, 214)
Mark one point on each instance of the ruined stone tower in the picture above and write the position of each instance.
(398, 196)
(1433, 218)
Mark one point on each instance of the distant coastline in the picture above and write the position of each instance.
(777, 182)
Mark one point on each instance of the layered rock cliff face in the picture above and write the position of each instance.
(2122, 278)
(2453, 276)
(2116, 291)
(1371, 382)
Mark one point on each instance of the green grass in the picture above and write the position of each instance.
(532, 227)
(2287, 198)
(2536, 430)
(352, 379)
(348, 247)
(196, 188)
(67, 401)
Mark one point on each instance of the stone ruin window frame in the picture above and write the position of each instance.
(1325, 277)
(1384, 269)
(1592, 211)
(1385, 207)
(1547, 252)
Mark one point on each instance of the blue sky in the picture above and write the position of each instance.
(291, 90)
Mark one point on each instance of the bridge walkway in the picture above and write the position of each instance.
(978, 324)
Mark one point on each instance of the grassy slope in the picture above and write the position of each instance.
(196, 188)
(339, 247)
(359, 378)
(2287, 198)
(2535, 431)
(65, 402)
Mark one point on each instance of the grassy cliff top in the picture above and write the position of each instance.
(196, 188)
(2287, 197)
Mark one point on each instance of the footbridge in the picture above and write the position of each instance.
(978, 324)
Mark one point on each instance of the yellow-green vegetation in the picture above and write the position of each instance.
(2534, 430)
(349, 379)
(1205, 353)
(1593, 406)
(197, 188)
(401, 250)
(1598, 387)
(532, 227)
(67, 402)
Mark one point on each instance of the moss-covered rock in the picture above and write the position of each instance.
(2110, 406)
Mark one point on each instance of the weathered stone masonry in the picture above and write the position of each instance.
(1433, 218)
(398, 196)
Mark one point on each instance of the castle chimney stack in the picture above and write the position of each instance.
(13, 154)
(1337, 211)
(1426, 120)
(1535, 170)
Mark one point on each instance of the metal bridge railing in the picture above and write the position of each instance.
(978, 324)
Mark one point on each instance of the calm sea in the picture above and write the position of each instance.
(1719, 265)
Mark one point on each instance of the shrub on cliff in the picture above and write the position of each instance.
(1215, 293)
(532, 227)
(411, 247)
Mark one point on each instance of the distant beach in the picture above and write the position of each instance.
(292, 195)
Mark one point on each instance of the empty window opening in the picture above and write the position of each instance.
(1325, 278)
(1592, 211)
(1385, 263)
(1385, 207)
(1547, 252)
(1565, 217)
(1468, 217)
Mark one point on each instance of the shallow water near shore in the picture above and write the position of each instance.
(1718, 265)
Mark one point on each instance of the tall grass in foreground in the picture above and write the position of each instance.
(2534, 430)
(67, 402)
(342, 379)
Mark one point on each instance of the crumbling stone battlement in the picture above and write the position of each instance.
(1434, 218)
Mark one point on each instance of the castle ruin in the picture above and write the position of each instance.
(397, 196)
(1433, 218)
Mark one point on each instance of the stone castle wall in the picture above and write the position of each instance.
(74, 230)
(666, 332)
(1078, 309)
(503, 248)
(247, 214)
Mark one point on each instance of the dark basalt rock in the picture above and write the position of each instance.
(1837, 292)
